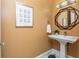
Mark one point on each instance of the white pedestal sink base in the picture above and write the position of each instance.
(63, 40)
(63, 50)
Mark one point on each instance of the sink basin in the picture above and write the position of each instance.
(63, 40)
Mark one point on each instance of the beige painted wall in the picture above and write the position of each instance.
(73, 49)
(25, 42)
(0, 26)
(0, 19)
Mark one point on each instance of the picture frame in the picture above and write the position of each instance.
(24, 15)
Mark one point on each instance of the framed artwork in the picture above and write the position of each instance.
(24, 15)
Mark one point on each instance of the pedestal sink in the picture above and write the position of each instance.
(63, 40)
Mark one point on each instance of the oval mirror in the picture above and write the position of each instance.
(67, 18)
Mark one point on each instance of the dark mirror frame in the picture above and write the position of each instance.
(70, 25)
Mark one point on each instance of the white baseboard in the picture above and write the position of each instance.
(45, 54)
(70, 56)
(51, 51)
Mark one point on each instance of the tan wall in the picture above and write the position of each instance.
(73, 49)
(0, 19)
(25, 42)
(0, 26)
